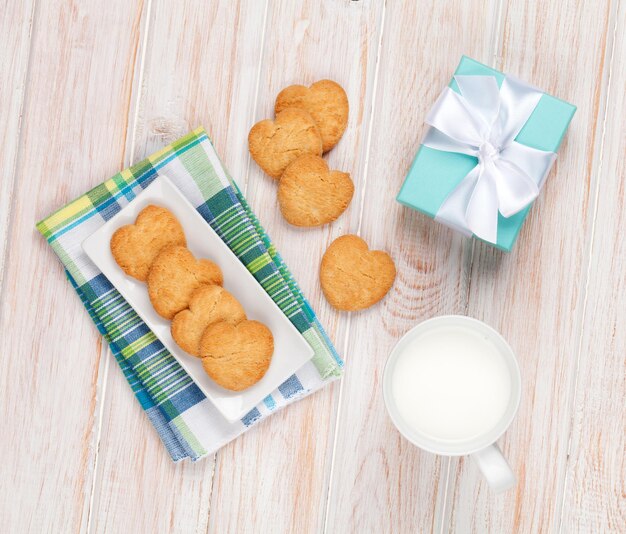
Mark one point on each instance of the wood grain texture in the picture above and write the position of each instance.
(138, 488)
(79, 87)
(201, 68)
(381, 483)
(183, 85)
(534, 295)
(594, 495)
(289, 456)
(15, 27)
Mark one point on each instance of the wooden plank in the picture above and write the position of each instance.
(200, 68)
(275, 478)
(79, 86)
(535, 294)
(596, 465)
(15, 27)
(381, 483)
(138, 487)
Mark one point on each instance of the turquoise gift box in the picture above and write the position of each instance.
(434, 173)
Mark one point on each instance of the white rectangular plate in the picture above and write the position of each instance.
(291, 350)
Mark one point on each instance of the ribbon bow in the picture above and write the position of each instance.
(483, 122)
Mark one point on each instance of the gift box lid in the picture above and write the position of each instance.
(435, 173)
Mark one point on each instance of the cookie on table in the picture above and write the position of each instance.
(208, 305)
(174, 276)
(135, 246)
(309, 194)
(327, 103)
(236, 356)
(274, 144)
(354, 277)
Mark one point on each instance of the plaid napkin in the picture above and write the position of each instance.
(186, 421)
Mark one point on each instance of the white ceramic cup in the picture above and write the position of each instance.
(482, 448)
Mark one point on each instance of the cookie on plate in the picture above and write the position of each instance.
(274, 144)
(174, 276)
(309, 194)
(208, 305)
(327, 103)
(135, 246)
(354, 277)
(236, 356)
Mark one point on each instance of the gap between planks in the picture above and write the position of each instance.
(18, 152)
(244, 188)
(255, 106)
(106, 356)
(363, 179)
(444, 508)
(596, 179)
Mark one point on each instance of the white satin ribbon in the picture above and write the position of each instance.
(483, 121)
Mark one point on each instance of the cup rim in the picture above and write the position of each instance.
(498, 430)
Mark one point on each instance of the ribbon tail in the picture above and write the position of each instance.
(516, 189)
(453, 208)
(481, 214)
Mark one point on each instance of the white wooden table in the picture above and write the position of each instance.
(88, 87)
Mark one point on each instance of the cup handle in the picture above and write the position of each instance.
(495, 468)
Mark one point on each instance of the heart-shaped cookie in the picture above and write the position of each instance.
(236, 356)
(208, 305)
(354, 277)
(311, 195)
(275, 144)
(173, 277)
(327, 103)
(135, 246)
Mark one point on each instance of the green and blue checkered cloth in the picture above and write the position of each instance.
(188, 424)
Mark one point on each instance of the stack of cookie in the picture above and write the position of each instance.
(207, 321)
(309, 122)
